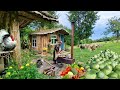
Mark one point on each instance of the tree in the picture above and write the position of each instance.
(84, 23)
(113, 27)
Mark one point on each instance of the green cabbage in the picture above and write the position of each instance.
(100, 62)
(114, 64)
(117, 67)
(95, 66)
(97, 59)
(113, 75)
(112, 78)
(105, 65)
(105, 77)
(118, 72)
(102, 66)
(100, 74)
(106, 70)
(90, 75)
(108, 67)
(86, 67)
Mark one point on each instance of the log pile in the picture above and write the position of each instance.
(49, 71)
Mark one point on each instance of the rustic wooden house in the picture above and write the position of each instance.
(14, 20)
(41, 38)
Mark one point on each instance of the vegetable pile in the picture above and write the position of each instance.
(72, 72)
(105, 65)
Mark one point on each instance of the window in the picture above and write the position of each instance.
(34, 41)
(53, 39)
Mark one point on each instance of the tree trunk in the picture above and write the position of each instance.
(117, 35)
(14, 30)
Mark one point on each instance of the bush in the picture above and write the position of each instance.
(21, 72)
(86, 41)
(68, 40)
(25, 69)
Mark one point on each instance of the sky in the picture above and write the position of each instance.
(100, 24)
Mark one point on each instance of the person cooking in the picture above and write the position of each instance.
(57, 50)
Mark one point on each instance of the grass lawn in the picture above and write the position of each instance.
(85, 54)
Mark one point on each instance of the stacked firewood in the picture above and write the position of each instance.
(49, 71)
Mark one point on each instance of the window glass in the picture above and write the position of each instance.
(34, 41)
(53, 38)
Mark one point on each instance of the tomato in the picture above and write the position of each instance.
(68, 68)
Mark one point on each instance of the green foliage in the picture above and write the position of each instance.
(86, 41)
(24, 34)
(106, 39)
(27, 55)
(68, 40)
(113, 27)
(68, 37)
(102, 39)
(24, 72)
(84, 23)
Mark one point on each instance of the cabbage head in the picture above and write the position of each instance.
(100, 75)
(118, 72)
(102, 66)
(113, 75)
(95, 66)
(105, 77)
(90, 74)
(107, 70)
(117, 67)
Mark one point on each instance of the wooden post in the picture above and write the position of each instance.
(72, 39)
(14, 30)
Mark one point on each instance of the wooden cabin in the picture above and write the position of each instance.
(13, 21)
(40, 39)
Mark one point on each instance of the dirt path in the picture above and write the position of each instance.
(46, 65)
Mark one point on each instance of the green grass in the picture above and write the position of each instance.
(85, 54)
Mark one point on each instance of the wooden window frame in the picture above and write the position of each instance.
(34, 41)
(53, 39)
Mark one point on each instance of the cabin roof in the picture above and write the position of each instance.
(45, 15)
(50, 31)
